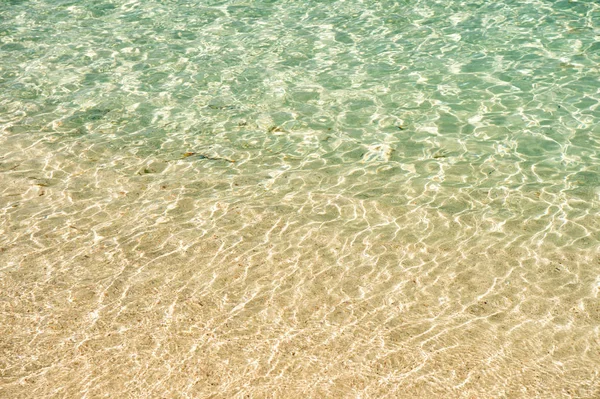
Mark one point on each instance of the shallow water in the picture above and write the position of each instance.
(300, 199)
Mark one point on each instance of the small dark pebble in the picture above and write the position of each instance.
(275, 129)
(212, 106)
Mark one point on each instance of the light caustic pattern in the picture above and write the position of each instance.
(299, 199)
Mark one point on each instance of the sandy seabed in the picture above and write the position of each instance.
(129, 276)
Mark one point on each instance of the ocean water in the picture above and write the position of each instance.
(291, 199)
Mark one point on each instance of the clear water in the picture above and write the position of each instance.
(299, 199)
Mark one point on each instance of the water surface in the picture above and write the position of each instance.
(299, 199)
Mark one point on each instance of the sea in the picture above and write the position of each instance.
(299, 199)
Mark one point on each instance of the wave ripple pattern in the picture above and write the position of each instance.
(299, 199)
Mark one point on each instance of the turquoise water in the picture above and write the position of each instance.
(285, 199)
